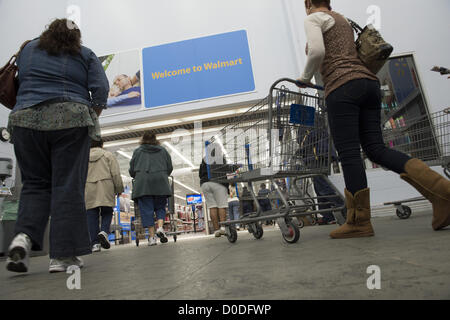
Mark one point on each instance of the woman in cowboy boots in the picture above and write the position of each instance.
(353, 99)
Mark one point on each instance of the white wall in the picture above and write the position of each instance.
(422, 27)
(275, 30)
(111, 26)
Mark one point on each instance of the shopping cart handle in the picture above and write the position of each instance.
(300, 83)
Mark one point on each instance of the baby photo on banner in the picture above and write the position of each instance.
(124, 75)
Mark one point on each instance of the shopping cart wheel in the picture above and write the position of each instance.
(293, 233)
(258, 231)
(405, 214)
(174, 238)
(301, 223)
(231, 234)
(447, 172)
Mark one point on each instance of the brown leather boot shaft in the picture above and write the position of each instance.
(214, 218)
(432, 186)
(350, 205)
(358, 217)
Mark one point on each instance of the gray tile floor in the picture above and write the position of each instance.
(414, 261)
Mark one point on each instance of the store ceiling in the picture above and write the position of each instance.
(124, 143)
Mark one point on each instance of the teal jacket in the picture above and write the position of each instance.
(151, 167)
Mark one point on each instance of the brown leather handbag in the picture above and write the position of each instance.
(8, 80)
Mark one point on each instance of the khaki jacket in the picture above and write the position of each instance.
(103, 181)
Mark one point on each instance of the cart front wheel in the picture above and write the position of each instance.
(405, 214)
(301, 223)
(293, 233)
(447, 172)
(259, 231)
(231, 234)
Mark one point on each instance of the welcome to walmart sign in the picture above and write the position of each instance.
(197, 69)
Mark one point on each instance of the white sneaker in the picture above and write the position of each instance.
(61, 264)
(152, 241)
(222, 231)
(19, 253)
(103, 239)
(162, 235)
(96, 247)
(217, 234)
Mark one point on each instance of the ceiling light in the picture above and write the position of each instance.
(120, 143)
(179, 154)
(126, 155)
(154, 124)
(185, 186)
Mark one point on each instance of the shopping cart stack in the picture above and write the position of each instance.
(282, 141)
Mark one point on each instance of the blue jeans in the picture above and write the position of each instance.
(233, 211)
(354, 116)
(54, 167)
(148, 206)
(265, 205)
(94, 221)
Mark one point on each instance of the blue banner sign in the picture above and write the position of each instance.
(197, 69)
(193, 198)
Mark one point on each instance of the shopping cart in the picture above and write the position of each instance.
(138, 228)
(282, 141)
(427, 138)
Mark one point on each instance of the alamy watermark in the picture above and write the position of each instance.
(74, 281)
(374, 281)
(374, 18)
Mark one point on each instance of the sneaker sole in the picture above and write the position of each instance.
(162, 238)
(16, 266)
(103, 241)
(57, 269)
(16, 256)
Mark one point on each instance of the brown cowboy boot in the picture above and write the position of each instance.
(215, 220)
(358, 216)
(432, 186)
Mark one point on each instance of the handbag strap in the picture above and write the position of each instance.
(21, 47)
(355, 26)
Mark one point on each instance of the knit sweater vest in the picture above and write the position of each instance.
(341, 63)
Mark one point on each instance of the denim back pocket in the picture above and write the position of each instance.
(355, 89)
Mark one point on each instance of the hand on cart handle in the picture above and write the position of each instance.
(441, 70)
(303, 85)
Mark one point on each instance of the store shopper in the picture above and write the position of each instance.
(247, 203)
(353, 99)
(216, 194)
(264, 201)
(62, 90)
(103, 183)
(151, 166)
(233, 206)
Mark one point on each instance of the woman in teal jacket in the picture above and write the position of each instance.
(151, 166)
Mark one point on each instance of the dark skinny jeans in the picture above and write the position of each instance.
(354, 116)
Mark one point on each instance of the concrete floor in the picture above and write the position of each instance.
(414, 262)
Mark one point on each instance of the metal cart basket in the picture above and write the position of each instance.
(426, 138)
(283, 141)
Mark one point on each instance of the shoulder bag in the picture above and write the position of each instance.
(372, 49)
(8, 80)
